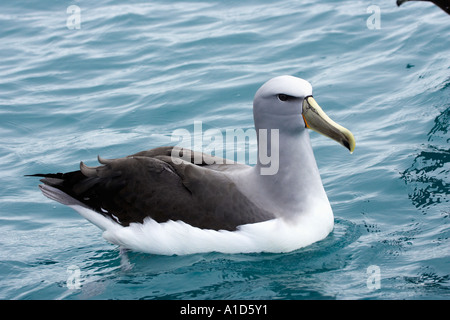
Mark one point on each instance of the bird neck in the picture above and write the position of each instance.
(291, 179)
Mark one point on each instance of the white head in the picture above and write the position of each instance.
(286, 103)
(278, 104)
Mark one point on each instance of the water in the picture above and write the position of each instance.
(133, 73)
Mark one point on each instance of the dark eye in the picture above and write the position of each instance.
(284, 97)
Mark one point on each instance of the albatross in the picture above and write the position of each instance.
(443, 4)
(161, 201)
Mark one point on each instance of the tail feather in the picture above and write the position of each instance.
(60, 187)
(56, 186)
(58, 195)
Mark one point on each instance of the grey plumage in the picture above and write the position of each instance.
(151, 184)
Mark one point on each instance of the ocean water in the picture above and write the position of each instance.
(85, 78)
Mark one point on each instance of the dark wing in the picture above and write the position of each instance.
(443, 4)
(151, 184)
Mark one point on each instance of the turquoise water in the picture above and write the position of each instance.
(126, 75)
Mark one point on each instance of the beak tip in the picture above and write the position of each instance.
(350, 144)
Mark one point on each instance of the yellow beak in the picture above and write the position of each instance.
(316, 119)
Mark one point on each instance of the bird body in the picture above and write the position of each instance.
(162, 201)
